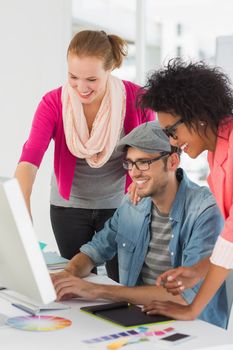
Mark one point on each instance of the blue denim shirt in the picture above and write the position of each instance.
(196, 223)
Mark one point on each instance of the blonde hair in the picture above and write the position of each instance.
(110, 48)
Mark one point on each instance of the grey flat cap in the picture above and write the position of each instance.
(147, 137)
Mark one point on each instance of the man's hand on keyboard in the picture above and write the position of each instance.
(68, 286)
(58, 275)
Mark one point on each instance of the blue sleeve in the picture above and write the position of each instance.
(205, 231)
(103, 246)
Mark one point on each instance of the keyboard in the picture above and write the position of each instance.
(29, 306)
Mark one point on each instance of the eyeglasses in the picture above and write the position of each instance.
(171, 130)
(143, 164)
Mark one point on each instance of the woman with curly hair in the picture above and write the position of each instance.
(194, 103)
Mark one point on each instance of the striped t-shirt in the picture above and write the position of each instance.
(158, 258)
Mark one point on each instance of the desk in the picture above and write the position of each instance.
(84, 327)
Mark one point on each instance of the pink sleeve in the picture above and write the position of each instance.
(227, 191)
(223, 251)
(42, 130)
(134, 114)
(227, 232)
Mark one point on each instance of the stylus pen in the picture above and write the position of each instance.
(24, 308)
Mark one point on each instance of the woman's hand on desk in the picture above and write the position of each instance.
(168, 308)
(68, 286)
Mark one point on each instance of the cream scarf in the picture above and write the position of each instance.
(98, 146)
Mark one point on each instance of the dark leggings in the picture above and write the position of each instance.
(74, 227)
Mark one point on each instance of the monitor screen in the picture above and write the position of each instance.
(22, 266)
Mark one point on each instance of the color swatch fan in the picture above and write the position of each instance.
(38, 323)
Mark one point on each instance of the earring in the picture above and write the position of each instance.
(202, 123)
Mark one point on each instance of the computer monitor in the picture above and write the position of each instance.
(22, 266)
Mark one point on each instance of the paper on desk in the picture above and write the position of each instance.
(54, 261)
(100, 279)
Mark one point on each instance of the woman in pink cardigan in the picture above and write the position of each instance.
(86, 117)
(194, 103)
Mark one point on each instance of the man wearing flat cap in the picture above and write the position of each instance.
(175, 223)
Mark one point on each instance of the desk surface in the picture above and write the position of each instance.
(86, 327)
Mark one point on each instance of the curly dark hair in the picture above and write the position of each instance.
(194, 91)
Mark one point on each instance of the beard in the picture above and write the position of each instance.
(155, 191)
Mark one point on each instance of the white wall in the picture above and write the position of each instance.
(33, 38)
(224, 54)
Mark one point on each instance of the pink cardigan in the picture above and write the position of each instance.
(221, 184)
(47, 124)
